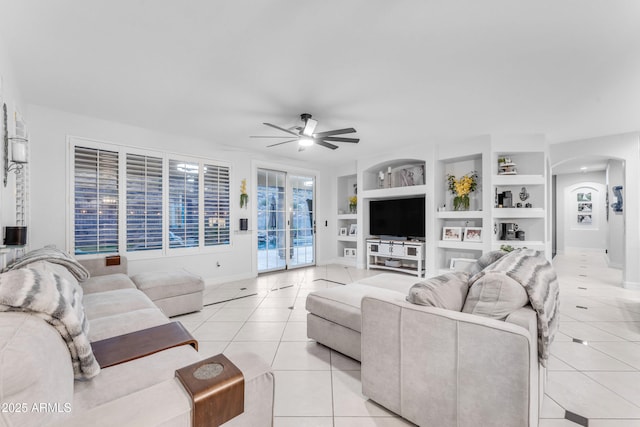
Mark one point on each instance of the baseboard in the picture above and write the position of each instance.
(225, 279)
(631, 285)
(569, 249)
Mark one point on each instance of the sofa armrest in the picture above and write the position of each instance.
(440, 367)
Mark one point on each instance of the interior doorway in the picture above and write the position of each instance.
(285, 220)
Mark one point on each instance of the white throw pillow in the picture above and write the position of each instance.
(446, 291)
(495, 295)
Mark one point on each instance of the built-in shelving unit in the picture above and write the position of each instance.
(520, 220)
(346, 220)
(458, 161)
(382, 178)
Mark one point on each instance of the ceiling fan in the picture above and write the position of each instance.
(306, 135)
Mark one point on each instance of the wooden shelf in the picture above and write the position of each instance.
(471, 246)
(347, 238)
(459, 214)
(348, 216)
(504, 180)
(379, 193)
(518, 213)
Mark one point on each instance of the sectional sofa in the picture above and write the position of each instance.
(47, 378)
(463, 349)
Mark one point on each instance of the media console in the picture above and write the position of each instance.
(406, 256)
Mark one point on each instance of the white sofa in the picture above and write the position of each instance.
(37, 386)
(435, 366)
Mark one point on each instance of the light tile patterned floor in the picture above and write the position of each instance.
(318, 387)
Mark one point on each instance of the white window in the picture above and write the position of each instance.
(216, 205)
(184, 202)
(96, 201)
(191, 212)
(144, 203)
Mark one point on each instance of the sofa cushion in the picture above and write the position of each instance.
(341, 304)
(486, 260)
(101, 304)
(110, 282)
(446, 291)
(495, 295)
(159, 285)
(124, 323)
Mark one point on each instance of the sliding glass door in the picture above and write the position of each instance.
(286, 229)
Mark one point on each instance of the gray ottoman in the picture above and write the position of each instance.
(176, 292)
(334, 316)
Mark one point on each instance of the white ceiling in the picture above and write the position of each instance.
(400, 72)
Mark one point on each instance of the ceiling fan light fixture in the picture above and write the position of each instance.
(309, 127)
(305, 142)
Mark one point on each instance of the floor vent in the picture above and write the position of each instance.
(578, 419)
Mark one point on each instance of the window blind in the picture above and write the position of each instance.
(216, 205)
(96, 201)
(183, 204)
(144, 203)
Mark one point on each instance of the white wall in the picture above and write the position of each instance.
(622, 147)
(9, 94)
(570, 233)
(49, 188)
(615, 246)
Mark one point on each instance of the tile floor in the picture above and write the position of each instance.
(318, 387)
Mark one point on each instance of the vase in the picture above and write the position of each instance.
(461, 203)
(353, 208)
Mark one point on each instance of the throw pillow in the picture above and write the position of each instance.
(485, 260)
(495, 295)
(446, 291)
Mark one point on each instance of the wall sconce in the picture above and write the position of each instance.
(18, 155)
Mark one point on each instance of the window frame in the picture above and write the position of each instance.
(123, 150)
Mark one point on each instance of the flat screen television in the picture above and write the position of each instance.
(397, 217)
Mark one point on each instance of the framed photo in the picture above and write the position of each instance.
(461, 264)
(343, 231)
(349, 252)
(585, 219)
(452, 233)
(353, 230)
(585, 207)
(473, 234)
(584, 197)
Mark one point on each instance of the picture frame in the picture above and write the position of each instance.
(452, 234)
(349, 252)
(473, 234)
(343, 231)
(461, 264)
(353, 230)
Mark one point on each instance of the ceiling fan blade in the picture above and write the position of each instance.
(260, 136)
(326, 144)
(341, 139)
(333, 132)
(282, 129)
(280, 143)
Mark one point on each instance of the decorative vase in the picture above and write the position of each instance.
(244, 224)
(461, 203)
(353, 208)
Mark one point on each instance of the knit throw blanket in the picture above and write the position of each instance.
(52, 255)
(59, 303)
(532, 270)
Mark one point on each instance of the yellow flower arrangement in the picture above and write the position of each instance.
(353, 204)
(244, 197)
(461, 188)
